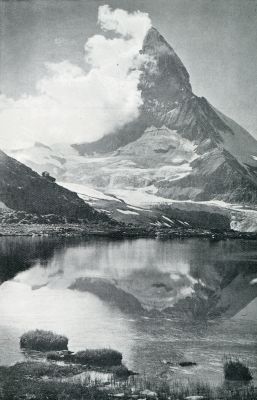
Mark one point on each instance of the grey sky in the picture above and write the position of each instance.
(216, 40)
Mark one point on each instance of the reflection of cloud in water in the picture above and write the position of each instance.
(115, 259)
(86, 320)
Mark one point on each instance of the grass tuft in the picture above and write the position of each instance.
(43, 341)
(235, 370)
(98, 357)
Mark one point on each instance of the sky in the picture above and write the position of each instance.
(58, 59)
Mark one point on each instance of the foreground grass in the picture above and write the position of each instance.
(50, 381)
(36, 369)
(12, 388)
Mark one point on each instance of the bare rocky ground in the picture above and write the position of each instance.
(118, 232)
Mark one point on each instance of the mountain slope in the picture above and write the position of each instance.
(225, 165)
(23, 189)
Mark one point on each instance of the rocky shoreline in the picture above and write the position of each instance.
(119, 232)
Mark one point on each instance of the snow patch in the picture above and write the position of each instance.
(139, 197)
(168, 219)
(175, 276)
(83, 190)
(181, 222)
(127, 212)
(135, 208)
(187, 291)
(242, 219)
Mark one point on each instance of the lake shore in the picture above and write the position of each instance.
(118, 232)
(40, 380)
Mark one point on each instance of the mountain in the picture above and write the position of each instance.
(22, 189)
(180, 147)
(224, 163)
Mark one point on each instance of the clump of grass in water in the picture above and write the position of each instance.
(98, 357)
(41, 340)
(235, 370)
(95, 357)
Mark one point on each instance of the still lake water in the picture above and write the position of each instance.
(36, 274)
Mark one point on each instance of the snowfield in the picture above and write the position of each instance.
(127, 212)
(83, 190)
(242, 219)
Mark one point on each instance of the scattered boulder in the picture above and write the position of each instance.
(187, 363)
(149, 394)
(122, 372)
(63, 355)
(166, 362)
(47, 176)
(195, 397)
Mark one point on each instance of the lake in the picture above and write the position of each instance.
(36, 275)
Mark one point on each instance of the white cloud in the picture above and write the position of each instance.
(77, 106)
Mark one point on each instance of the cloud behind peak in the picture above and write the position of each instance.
(73, 105)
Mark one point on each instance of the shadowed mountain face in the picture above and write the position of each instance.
(23, 189)
(224, 165)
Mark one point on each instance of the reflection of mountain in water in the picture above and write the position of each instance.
(192, 278)
(109, 293)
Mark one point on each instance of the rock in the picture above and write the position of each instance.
(187, 363)
(194, 398)
(165, 362)
(63, 355)
(149, 394)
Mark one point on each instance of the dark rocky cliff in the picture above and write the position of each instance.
(23, 189)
